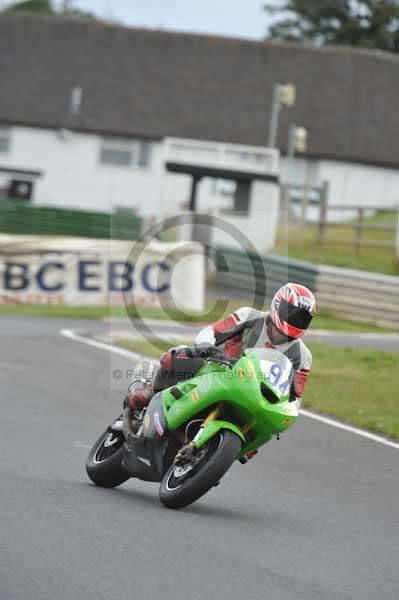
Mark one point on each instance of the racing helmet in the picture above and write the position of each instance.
(292, 309)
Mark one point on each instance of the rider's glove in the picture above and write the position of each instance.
(139, 399)
(206, 349)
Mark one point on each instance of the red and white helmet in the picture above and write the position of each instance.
(292, 309)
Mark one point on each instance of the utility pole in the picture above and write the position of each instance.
(66, 6)
(397, 232)
(283, 95)
(297, 142)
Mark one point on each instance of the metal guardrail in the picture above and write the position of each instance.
(238, 271)
(16, 217)
(360, 295)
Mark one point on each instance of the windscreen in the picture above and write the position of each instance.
(276, 368)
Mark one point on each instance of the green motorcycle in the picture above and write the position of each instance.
(193, 431)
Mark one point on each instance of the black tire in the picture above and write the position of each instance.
(221, 452)
(104, 464)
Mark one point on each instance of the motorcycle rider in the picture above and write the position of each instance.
(292, 309)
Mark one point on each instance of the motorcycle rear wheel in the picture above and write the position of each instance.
(104, 463)
(182, 486)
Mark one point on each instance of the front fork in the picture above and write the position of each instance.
(209, 428)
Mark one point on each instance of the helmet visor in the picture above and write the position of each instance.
(294, 315)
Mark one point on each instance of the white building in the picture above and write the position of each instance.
(84, 170)
(89, 106)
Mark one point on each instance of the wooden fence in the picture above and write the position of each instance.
(304, 197)
(358, 224)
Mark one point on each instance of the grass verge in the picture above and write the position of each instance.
(323, 319)
(211, 313)
(355, 385)
(328, 320)
(148, 348)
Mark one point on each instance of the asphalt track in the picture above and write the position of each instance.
(314, 516)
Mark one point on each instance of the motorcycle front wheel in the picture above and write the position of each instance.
(104, 463)
(184, 484)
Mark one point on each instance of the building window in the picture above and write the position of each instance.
(115, 156)
(223, 187)
(5, 139)
(125, 153)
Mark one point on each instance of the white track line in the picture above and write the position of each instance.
(70, 334)
(339, 425)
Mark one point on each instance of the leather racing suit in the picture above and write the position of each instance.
(245, 328)
(248, 329)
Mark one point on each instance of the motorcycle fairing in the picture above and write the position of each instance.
(146, 456)
(142, 455)
(136, 460)
(155, 436)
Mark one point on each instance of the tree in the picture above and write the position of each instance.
(364, 23)
(40, 6)
(47, 6)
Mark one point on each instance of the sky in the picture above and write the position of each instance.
(237, 18)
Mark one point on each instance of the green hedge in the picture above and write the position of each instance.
(19, 218)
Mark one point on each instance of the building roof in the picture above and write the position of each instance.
(139, 82)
